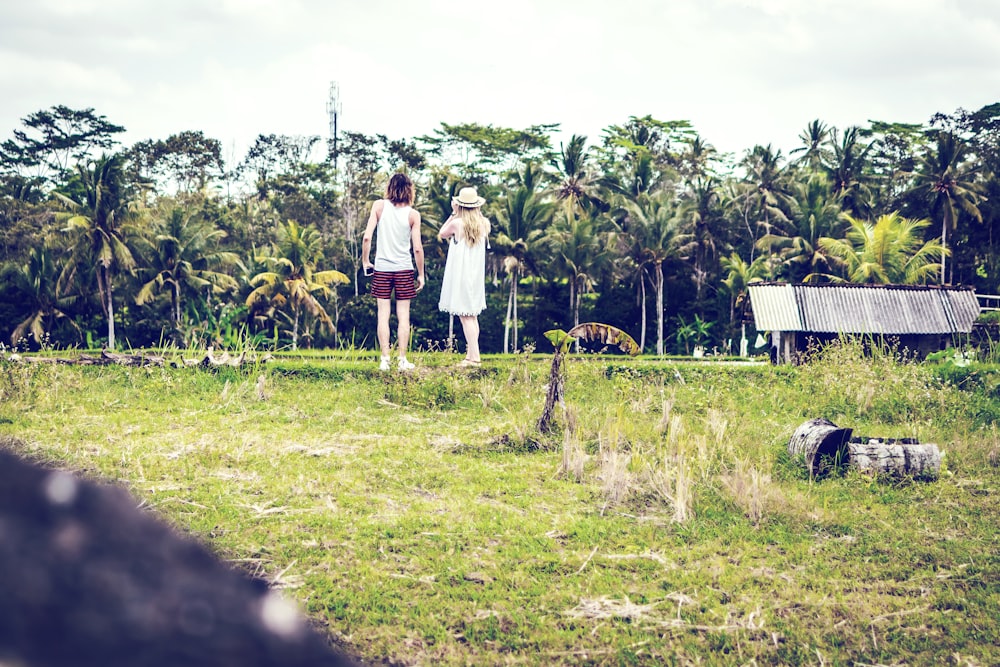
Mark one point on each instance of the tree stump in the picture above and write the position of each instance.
(818, 440)
(897, 458)
(553, 393)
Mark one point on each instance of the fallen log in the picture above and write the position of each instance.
(897, 458)
(104, 359)
(821, 443)
(825, 446)
(210, 360)
(17, 358)
(131, 359)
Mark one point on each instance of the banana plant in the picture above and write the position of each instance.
(562, 342)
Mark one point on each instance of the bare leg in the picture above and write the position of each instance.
(470, 326)
(403, 330)
(383, 325)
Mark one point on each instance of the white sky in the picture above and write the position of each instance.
(742, 71)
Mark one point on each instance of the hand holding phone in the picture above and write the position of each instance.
(370, 270)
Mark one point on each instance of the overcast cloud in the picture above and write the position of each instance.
(742, 71)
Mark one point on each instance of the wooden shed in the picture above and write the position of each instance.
(921, 319)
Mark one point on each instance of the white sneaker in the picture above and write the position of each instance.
(384, 364)
(405, 365)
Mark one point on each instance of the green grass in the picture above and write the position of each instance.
(421, 519)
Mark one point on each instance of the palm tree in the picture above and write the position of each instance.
(770, 182)
(848, 171)
(813, 138)
(37, 283)
(435, 199)
(629, 265)
(637, 176)
(695, 161)
(575, 178)
(814, 213)
(737, 200)
(946, 181)
(523, 217)
(180, 255)
(579, 250)
(293, 280)
(890, 251)
(739, 275)
(656, 227)
(97, 240)
(700, 220)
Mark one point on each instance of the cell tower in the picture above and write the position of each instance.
(333, 110)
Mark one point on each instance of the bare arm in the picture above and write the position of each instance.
(418, 247)
(366, 242)
(449, 228)
(450, 225)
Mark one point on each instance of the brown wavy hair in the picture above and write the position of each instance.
(400, 189)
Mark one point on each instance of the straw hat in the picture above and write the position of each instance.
(468, 198)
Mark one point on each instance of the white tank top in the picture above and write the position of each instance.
(392, 243)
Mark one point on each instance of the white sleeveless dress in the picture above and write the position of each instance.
(463, 288)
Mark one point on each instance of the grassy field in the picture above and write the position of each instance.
(422, 520)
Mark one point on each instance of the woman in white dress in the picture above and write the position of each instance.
(463, 288)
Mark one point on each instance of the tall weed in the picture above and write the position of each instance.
(669, 475)
(750, 489)
(573, 457)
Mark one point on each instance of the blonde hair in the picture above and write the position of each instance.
(474, 225)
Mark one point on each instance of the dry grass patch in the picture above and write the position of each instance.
(751, 490)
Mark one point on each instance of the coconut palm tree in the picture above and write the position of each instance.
(522, 220)
(653, 222)
(635, 177)
(576, 181)
(848, 170)
(738, 199)
(739, 275)
(434, 203)
(629, 265)
(579, 250)
(814, 154)
(768, 200)
(37, 283)
(771, 187)
(814, 213)
(695, 162)
(97, 238)
(946, 181)
(293, 280)
(180, 255)
(889, 251)
(700, 220)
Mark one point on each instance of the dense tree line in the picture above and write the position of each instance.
(646, 227)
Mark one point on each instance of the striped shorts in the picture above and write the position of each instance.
(403, 282)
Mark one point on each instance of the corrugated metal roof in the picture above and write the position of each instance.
(774, 307)
(875, 309)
